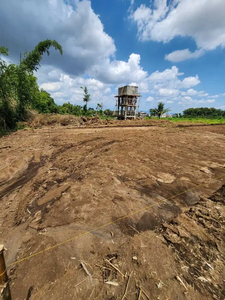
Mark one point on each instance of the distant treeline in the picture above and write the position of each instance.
(204, 112)
(45, 104)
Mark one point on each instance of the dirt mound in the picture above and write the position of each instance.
(110, 194)
(40, 120)
(54, 119)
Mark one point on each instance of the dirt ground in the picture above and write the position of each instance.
(142, 211)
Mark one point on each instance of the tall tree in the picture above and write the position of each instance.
(86, 98)
(44, 103)
(99, 108)
(108, 112)
(17, 85)
(159, 111)
(29, 64)
(32, 59)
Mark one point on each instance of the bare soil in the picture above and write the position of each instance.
(159, 190)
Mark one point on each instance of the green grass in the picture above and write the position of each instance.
(193, 120)
(199, 120)
(107, 117)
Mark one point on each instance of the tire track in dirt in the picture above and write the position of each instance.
(30, 173)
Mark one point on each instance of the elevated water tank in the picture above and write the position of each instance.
(128, 90)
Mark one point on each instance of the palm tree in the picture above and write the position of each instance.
(159, 111)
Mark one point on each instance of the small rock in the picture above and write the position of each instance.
(160, 285)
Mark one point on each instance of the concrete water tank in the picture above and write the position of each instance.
(128, 90)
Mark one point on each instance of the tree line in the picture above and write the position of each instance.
(45, 104)
(204, 112)
(199, 112)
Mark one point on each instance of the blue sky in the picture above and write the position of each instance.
(173, 50)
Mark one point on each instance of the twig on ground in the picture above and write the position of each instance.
(102, 267)
(112, 283)
(81, 282)
(91, 293)
(112, 265)
(143, 292)
(140, 292)
(181, 281)
(128, 281)
(132, 227)
(86, 270)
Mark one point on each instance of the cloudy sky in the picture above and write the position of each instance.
(172, 49)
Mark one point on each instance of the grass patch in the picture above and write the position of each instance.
(107, 117)
(199, 120)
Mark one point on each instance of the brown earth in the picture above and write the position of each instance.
(57, 183)
(38, 121)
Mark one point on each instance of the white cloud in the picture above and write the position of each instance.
(203, 20)
(214, 96)
(190, 101)
(169, 79)
(168, 92)
(192, 92)
(120, 72)
(67, 88)
(149, 99)
(76, 27)
(147, 18)
(88, 49)
(166, 75)
(143, 86)
(217, 96)
(188, 98)
(202, 94)
(189, 82)
(130, 9)
(107, 90)
(180, 55)
(51, 86)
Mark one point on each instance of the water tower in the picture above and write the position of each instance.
(127, 102)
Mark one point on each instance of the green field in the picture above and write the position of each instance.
(199, 120)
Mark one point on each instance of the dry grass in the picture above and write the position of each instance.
(55, 119)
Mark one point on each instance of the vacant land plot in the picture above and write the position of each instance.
(138, 208)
